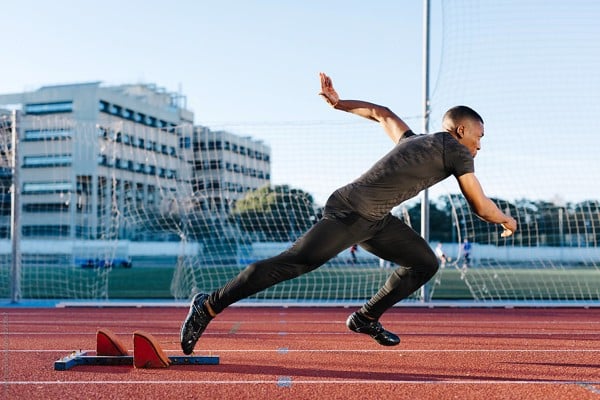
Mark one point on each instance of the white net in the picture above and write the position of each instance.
(183, 235)
(531, 69)
(124, 210)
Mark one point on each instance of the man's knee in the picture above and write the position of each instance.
(429, 266)
(250, 271)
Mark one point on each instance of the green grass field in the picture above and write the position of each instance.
(323, 284)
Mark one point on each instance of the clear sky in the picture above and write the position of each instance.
(257, 62)
(235, 60)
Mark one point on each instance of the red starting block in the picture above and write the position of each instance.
(108, 344)
(147, 353)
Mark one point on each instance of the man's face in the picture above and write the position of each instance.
(470, 133)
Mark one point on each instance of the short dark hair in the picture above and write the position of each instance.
(458, 113)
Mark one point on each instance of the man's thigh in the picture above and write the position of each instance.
(399, 243)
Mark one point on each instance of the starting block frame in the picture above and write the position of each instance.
(82, 358)
(147, 353)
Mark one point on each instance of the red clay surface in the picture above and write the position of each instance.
(307, 353)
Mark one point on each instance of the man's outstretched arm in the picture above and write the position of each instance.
(482, 206)
(391, 123)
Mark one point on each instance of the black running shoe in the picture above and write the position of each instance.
(360, 324)
(195, 323)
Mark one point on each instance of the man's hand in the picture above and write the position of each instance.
(509, 228)
(327, 91)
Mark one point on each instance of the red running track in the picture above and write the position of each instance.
(307, 353)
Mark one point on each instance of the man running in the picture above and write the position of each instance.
(360, 213)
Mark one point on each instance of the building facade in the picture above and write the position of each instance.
(225, 167)
(99, 162)
(5, 172)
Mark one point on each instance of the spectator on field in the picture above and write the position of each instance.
(439, 253)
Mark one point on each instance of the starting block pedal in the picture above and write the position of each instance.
(147, 353)
(108, 344)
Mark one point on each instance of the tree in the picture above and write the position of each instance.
(440, 219)
(278, 213)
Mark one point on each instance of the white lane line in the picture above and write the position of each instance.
(510, 334)
(590, 387)
(315, 382)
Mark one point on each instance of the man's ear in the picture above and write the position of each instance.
(460, 131)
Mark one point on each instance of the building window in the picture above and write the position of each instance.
(47, 134)
(115, 110)
(47, 187)
(46, 207)
(46, 230)
(49, 108)
(47, 161)
(185, 142)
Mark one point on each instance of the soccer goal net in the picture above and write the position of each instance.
(111, 210)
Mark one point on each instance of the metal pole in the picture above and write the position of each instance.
(15, 213)
(426, 110)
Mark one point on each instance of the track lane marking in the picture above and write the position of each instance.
(317, 382)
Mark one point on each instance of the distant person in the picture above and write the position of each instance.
(360, 213)
(466, 253)
(441, 256)
(353, 251)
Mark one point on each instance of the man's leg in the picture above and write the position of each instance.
(322, 242)
(397, 242)
(400, 244)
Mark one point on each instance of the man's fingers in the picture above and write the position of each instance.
(507, 232)
(327, 90)
(325, 80)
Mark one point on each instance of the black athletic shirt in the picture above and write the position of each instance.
(415, 163)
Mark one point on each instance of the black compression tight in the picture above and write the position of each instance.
(390, 239)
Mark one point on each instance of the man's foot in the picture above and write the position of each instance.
(195, 323)
(360, 324)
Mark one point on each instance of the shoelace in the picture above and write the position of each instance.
(377, 327)
(373, 326)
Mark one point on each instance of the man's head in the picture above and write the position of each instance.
(466, 125)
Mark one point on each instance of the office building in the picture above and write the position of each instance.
(100, 162)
